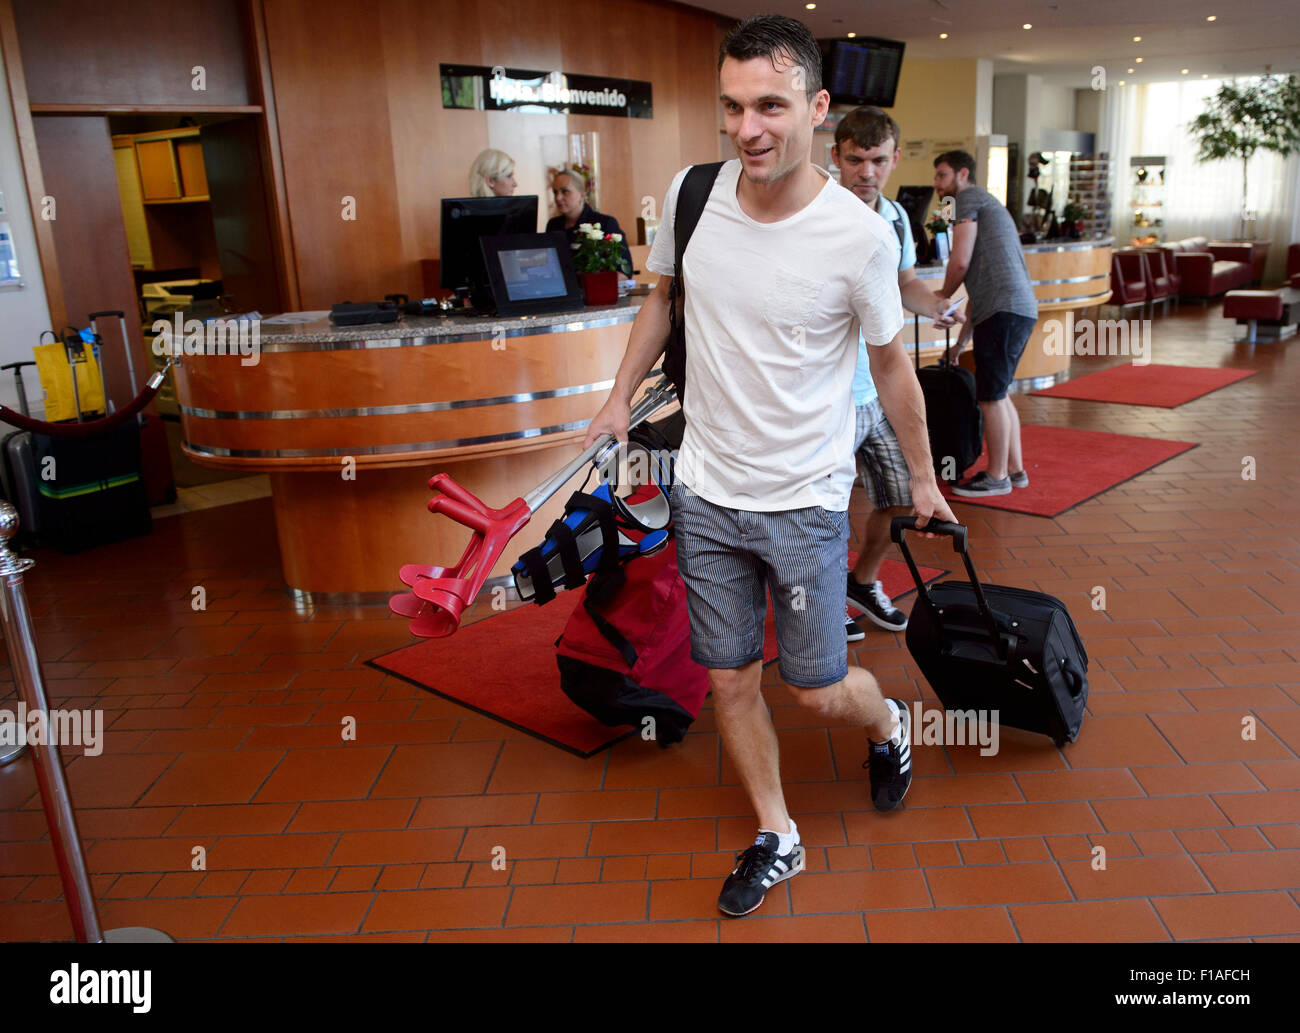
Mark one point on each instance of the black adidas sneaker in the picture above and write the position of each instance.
(757, 870)
(889, 767)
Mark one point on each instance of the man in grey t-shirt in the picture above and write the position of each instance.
(987, 257)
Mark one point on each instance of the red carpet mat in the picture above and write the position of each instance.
(1068, 466)
(519, 684)
(1165, 386)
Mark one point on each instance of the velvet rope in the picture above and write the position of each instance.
(91, 427)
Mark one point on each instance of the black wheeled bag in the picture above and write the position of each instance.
(994, 648)
(952, 416)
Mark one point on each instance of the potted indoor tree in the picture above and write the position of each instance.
(1244, 117)
(598, 259)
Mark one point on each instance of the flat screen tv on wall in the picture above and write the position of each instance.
(862, 70)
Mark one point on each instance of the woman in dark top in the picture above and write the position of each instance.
(570, 190)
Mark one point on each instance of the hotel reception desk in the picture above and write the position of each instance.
(350, 423)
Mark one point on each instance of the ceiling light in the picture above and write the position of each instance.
(1137, 39)
(853, 35)
(1139, 61)
(1205, 75)
(943, 35)
(1185, 71)
(1130, 71)
(1026, 26)
(810, 7)
(1121, 82)
(1210, 17)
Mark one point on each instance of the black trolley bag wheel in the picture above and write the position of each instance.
(991, 647)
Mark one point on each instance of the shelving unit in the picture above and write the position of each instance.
(1090, 186)
(1147, 181)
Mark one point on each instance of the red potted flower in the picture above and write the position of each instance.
(598, 260)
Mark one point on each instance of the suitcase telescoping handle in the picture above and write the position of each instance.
(897, 531)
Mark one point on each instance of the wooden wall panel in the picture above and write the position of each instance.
(327, 63)
(123, 52)
(369, 118)
(89, 234)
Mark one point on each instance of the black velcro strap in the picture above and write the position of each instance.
(539, 575)
(567, 546)
(611, 634)
(608, 529)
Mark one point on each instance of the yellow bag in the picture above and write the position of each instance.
(56, 382)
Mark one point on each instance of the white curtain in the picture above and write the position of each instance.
(1202, 199)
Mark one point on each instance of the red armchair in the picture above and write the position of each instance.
(1128, 279)
(1293, 265)
(1165, 282)
(1208, 270)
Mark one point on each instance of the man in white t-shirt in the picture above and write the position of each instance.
(782, 269)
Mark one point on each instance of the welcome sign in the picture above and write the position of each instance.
(477, 88)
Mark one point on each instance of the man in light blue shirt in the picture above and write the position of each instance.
(866, 152)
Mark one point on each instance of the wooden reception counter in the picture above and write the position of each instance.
(351, 423)
(1068, 276)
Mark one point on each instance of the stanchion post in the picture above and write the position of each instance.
(25, 662)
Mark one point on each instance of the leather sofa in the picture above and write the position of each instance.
(1208, 270)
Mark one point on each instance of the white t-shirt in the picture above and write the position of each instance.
(772, 318)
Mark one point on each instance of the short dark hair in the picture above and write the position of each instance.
(867, 127)
(957, 160)
(769, 35)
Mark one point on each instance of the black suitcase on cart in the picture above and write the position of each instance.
(74, 493)
(952, 415)
(18, 466)
(990, 647)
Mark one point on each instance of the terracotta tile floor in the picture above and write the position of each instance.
(223, 733)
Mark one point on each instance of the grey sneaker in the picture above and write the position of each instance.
(1019, 479)
(983, 486)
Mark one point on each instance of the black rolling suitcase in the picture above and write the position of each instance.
(952, 415)
(91, 488)
(18, 466)
(994, 648)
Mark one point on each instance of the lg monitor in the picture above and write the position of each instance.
(466, 221)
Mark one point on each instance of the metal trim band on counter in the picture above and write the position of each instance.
(379, 450)
(1073, 279)
(1084, 300)
(391, 410)
(270, 345)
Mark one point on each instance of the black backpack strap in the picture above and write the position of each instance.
(567, 546)
(611, 634)
(693, 195)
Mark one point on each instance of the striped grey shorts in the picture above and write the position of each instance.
(730, 559)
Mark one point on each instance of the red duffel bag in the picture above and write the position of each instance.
(625, 654)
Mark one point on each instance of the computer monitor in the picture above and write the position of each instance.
(466, 220)
(915, 200)
(531, 272)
